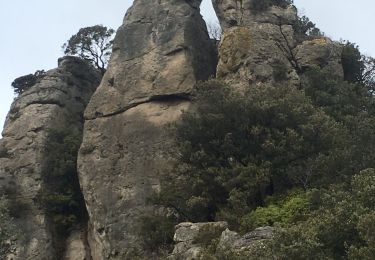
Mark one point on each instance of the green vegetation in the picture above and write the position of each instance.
(62, 197)
(23, 83)
(263, 5)
(7, 228)
(93, 44)
(305, 29)
(282, 210)
(156, 231)
(299, 159)
(237, 149)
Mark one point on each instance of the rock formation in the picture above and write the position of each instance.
(193, 240)
(159, 53)
(58, 101)
(260, 47)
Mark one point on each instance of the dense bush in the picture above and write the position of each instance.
(235, 149)
(7, 228)
(282, 210)
(305, 29)
(24, 83)
(61, 195)
(263, 5)
(156, 231)
(340, 227)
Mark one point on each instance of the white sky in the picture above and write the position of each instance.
(34, 30)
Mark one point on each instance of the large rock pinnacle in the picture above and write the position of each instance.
(56, 102)
(159, 53)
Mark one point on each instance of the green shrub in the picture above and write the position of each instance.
(156, 231)
(235, 148)
(61, 195)
(8, 231)
(283, 211)
(21, 84)
(263, 5)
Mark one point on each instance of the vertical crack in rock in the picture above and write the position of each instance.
(55, 104)
(159, 54)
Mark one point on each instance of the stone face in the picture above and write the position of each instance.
(239, 13)
(58, 101)
(159, 53)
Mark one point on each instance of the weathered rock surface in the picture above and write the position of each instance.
(188, 238)
(240, 13)
(193, 239)
(320, 53)
(258, 47)
(159, 53)
(77, 247)
(232, 241)
(58, 101)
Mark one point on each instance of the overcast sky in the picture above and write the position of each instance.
(34, 30)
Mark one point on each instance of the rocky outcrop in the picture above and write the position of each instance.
(213, 240)
(190, 237)
(236, 244)
(260, 47)
(320, 53)
(257, 47)
(159, 53)
(241, 13)
(58, 101)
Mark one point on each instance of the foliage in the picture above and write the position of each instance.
(358, 68)
(7, 228)
(305, 29)
(61, 197)
(237, 148)
(352, 63)
(92, 43)
(23, 83)
(284, 210)
(351, 104)
(263, 5)
(156, 231)
(340, 226)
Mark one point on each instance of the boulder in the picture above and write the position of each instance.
(320, 53)
(191, 239)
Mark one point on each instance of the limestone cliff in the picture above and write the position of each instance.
(58, 101)
(159, 53)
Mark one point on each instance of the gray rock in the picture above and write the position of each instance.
(188, 238)
(257, 54)
(159, 53)
(57, 101)
(246, 245)
(239, 13)
(320, 53)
